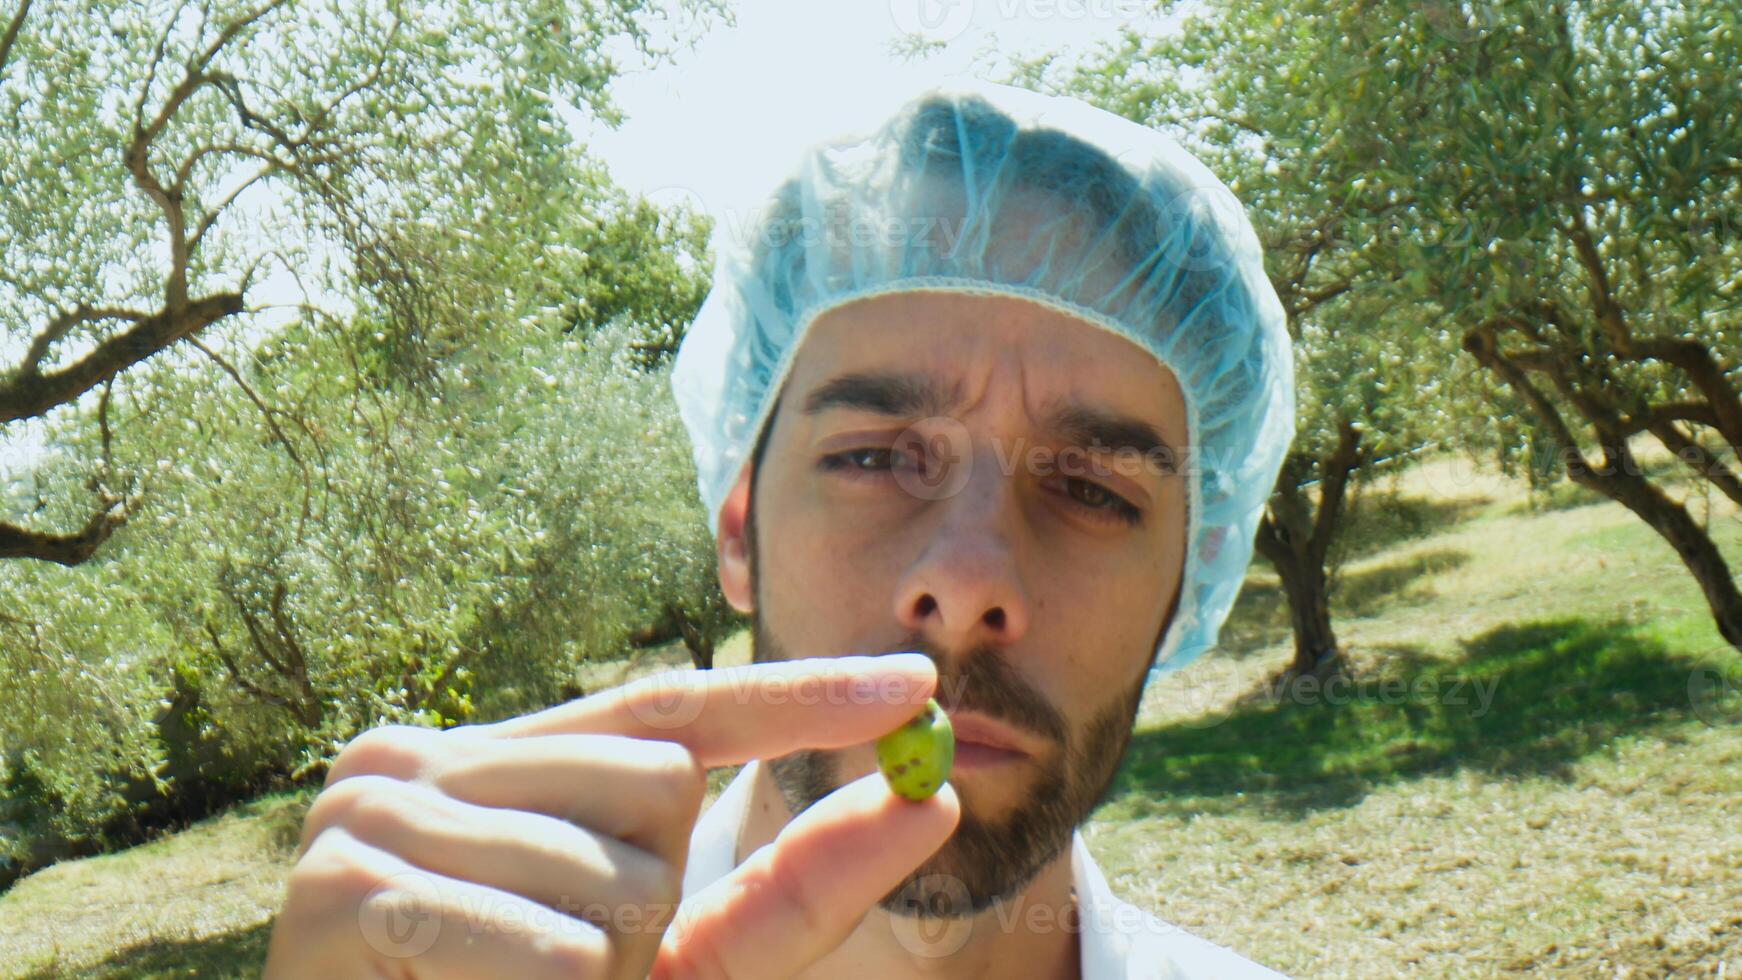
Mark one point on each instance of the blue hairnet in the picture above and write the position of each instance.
(1050, 200)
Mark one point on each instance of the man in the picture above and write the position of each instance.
(984, 406)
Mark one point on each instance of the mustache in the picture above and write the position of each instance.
(983, 680)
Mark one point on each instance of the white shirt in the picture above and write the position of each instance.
(1119, 940)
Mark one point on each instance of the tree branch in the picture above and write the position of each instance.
(112, 512)
(1308, 300)
(58, 328)
(28, 394)
(1691, 356)
(1237, 122)
(11, 36)
(151, 67)
(229, 662)
(1333, 488)
(64, 549)
(138, 155)
(1481, 344)
(231, 88)
(234, 28)
(107, 467)
(287, 635)
(255, 636)
(1699, 460)
(267, 413)
(184, 170)
(1653, 416)
(1703, 369)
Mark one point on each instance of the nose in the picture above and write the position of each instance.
(965, 590)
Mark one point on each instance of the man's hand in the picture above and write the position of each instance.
(554, 844)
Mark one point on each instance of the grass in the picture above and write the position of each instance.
(1530, 771)
(196, 903)
(1577, 824)
(1523, 700)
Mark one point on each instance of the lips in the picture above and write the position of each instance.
(977, 729)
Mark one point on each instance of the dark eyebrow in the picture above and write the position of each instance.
(918, 396)
(1100, 430)
(883, 393)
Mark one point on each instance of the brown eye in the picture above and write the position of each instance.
(1092, 494)
(868, 459)
(865, 461)
(1102, 502)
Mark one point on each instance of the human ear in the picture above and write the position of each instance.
(734, 546)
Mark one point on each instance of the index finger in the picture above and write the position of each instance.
(756, 711)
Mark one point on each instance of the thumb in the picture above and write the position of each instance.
(795, 900)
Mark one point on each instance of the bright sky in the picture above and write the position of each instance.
(712, 127)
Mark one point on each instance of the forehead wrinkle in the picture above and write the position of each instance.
(1010, 335)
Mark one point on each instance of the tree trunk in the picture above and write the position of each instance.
(1621, 481)
(1295, 537)
(700, 644)
(1307, 587)
(675, 622)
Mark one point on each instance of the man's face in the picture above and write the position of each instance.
(942, 476)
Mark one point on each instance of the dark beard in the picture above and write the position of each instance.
(985, 862)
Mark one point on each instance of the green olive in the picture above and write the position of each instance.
(916, 757)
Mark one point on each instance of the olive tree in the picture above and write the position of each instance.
(1576, 169)
(426, 467)
(164, 161)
